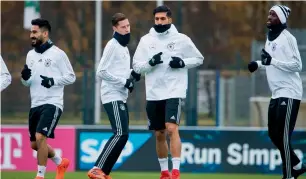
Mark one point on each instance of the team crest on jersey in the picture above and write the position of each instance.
(47, 62)
(170, 46)
(274, 46)
(122, 107)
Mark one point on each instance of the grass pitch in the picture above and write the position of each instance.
(138, 175)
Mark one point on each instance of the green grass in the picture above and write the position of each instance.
(138, 175)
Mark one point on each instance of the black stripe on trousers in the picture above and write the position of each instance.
(117, 112)
(282, 117)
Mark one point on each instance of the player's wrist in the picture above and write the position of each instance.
(52, 81)
(123, 81)
(151, 62)
(273, 61)
(135, 75)
(55, 81)
(26, 81)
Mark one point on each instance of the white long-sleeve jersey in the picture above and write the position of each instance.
(162, 81)
(52, 63)
(283, 73)
(6, 77)
(113, 71)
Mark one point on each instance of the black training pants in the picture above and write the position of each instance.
(282, 117)
(118, 115)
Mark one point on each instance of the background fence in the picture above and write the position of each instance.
(223, 86)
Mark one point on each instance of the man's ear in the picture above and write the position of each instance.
(45, 33)
(170, 20)
(114, 28)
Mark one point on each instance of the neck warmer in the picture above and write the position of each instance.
(161, 28)
(43, 47)
(122, 39)
(275, 31)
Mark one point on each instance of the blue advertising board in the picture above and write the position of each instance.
(203, 151)
(91, 143)
(215, 151)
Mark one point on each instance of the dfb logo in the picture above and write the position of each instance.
(8, 149)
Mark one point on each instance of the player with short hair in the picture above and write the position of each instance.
(117, 81)
(6, 77)
(282, 61)
(46, 72)
(164, 55)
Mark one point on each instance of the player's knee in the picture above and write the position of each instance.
(40, 136)
(271, 135)
(34, 145)
(40, 139)
(160, 135)
(124, 134)
(124, 137)
(275, 138)
(172, 129)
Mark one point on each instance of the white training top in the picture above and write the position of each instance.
(113, 71)
(162, 81)
(283, 73)
(52, 63)
(6, 77)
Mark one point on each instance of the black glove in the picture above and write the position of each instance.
(129, 84)
(156, 59)
(176, 62)
(46, 81)
(265, 57)
(26, 73)
(252, 66)
(135, 75)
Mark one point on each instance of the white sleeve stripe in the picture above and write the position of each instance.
(109, 77)
(63, 57)
(6, 81)
(293, 49)
(67, 74)
(109, 53)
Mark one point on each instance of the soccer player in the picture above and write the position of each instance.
(117, 81)
(6, 77)
(46, 72)
(164, 55)
(282, 61)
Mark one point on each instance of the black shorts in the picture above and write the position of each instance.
(161, 112)
(43, 119)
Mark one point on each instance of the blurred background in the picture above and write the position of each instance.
(225, 112)
(222, 91)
